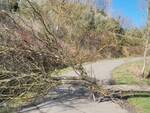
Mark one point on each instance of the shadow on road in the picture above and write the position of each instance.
(66, 96)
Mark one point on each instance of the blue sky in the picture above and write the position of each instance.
(134, 11)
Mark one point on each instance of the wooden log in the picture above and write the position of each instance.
(128, 88)
(111, 88)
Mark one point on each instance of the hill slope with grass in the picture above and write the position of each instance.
(42, 38)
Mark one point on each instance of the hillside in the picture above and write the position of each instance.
(39, 39)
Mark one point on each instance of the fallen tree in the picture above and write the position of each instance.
(29, 55)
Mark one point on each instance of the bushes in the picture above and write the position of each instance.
(41, 39)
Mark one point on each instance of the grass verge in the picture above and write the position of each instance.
(130, 74)
(141, 104)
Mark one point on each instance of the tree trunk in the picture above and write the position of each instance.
(145, 54)
(147, 35)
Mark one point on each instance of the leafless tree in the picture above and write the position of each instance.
(147, 39)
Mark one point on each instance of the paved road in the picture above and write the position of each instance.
(102, 71)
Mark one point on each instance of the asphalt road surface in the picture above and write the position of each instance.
(102, 71)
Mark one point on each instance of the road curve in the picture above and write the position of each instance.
(102, 71)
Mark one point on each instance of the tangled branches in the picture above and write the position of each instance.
(26, 61)
(31, 48)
